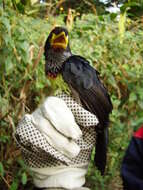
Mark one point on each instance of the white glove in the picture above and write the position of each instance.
(57, 112)
(56, 122)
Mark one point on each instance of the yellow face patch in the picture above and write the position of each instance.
(59, 41)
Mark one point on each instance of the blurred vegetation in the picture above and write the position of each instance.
(112, 44)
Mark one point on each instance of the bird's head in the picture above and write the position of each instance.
(56, 50)
(58, 39)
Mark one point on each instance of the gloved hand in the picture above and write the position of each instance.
(56, 122)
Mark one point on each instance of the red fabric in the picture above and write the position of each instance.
(139, 133)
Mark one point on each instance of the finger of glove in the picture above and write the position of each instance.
(57, 140)
(56, 110)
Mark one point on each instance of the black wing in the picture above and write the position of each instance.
(83, 78)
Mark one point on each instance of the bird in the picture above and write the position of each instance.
(83, 80)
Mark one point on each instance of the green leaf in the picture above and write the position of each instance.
(6, 23)
(4, 138)
(14, 185)
(121, 26)
(24, 178)
(116, 103)
(140, 103)
(20, 7)
(21, 163)
(133, 97)
(113, 16)
(1, 169)
(17, 1)
(8, 65)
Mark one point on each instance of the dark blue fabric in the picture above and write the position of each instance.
(132, 165)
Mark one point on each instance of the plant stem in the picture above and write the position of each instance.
(5, 181)
(3, 2)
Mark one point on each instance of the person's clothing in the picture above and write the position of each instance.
(55, 159)
(132, 165)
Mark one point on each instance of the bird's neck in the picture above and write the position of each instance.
(58, 57)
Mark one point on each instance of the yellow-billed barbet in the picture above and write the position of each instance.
(83, 79)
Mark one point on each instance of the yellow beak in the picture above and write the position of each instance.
(59, 41)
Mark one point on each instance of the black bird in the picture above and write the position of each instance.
(83, 79)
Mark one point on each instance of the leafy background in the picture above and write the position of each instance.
(114, 47)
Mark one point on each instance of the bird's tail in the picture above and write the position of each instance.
(101, 150)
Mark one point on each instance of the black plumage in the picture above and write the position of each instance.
(83, 78)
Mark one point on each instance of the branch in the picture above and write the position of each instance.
(5, 181)
(41, 49)
(57, 6)
(25, 89)
(3, 2)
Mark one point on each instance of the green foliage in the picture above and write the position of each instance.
(1, 169)
(23, 84)
(121, 69)
(134, 7)
(14, 185)
(24, 178)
